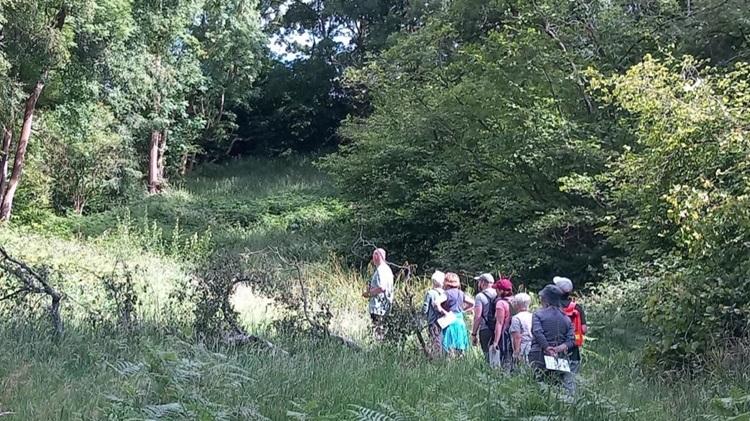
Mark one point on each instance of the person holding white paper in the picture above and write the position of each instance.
(455, 335)
(553, 336)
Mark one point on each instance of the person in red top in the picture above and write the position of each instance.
(501, 339)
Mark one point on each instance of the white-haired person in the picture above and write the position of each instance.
(433, 310)
(520, 327)
(380, 293)
(578, 318)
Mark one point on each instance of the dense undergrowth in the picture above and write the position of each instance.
(158, 370)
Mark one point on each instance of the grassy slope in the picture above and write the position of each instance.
(94, 374)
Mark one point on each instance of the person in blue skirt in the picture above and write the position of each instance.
(455, 335)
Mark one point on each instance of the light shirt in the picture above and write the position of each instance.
(483, 300)
(521, 323)
(380, 304)
(435, 296)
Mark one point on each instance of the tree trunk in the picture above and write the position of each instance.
(183, 164)
(154, 182)
(79, 202)
(4, 157)
(162, 156)
(23, 143)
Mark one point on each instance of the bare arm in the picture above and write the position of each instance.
(500, 312)
(477, 318)
(373, 291)
(439, 308)
(516, 343)
(468, 303)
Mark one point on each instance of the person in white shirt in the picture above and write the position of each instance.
(520, 327)
(380, 292)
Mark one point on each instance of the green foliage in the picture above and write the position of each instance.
(487, 149)
(152, 374)
(681, 194)
(90, 167)
(155, 369)
(461, 162)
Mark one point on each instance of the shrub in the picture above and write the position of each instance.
(682, 199)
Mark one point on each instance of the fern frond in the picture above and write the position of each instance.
(127, 368)
(164, 410)
(362, 413)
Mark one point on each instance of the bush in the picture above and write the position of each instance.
(681, 199)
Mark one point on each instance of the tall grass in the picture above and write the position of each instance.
(159, 371)
(149, 375)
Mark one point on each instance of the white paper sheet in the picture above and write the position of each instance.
(557, 364)
(446, 320)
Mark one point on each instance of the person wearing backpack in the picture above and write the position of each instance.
(483, 327)
(578, 318)
(501, 339)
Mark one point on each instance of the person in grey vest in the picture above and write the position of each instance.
(482, 332)
(552, 333)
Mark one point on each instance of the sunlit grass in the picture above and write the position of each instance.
(160, 371)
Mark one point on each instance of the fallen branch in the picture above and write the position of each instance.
(316, 326)
(241, 338)
(406, 271)
(238, 336)
(33, 283)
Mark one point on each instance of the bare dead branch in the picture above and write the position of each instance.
(35, 283)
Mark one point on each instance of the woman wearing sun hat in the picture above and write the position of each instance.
(455, 337)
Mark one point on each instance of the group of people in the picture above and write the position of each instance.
(548, 340)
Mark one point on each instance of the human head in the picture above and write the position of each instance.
(438, 279)
(452, 281)
(551, 296)
(378, 257)
(522, 301)
(484, 281)
(504, 287)
(565, 284)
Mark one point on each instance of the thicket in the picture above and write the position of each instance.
(539, 138)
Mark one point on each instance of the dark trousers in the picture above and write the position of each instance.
(379, 329)
(436, 340)
(485, 340)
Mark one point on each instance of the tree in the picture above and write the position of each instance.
(86, 156)
(485, 147)
(300, 100)
(232, 45)
(35, 46)
(40, 40)
(189, 62)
